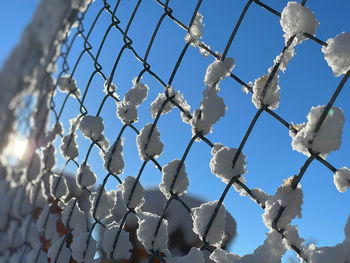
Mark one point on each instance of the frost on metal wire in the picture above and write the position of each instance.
(69, 85)
(163, 104)
(201, 216)
(127, 109)
(146, 233)
(174, 179)
(271, 251)
(123, 246)
(286, 198)
(296, 20)
(324, 140)
(132, 193)
(337, 53)
(86, 177)
(212, 107)
(342, 179)
(148, 142)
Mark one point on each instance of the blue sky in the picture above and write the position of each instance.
(307, 82)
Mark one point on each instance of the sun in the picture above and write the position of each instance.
(15, 149)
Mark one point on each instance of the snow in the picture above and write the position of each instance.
(137, 94)
(73, 218)
(106, 202)
(147, 228)
(287, 197)
(127, 109)
(292, 238)
(69, 146)
(123, 246)
(201, 216)
(169, 174)
(297, 19)
(162, 97)
(154, 145)
(113, 159)
(80, 251)
(284, 58)
(33, 170)
(15, 236)
(342, 179)
(178, 217)
(271, 251)
(269, 95)
(211, 109)
(327, 139)
(81, 5)
(133, 199)
(69, 85)
(109, 90)
(36, 255)
(195, 31)
(337, 53)
(49, 157)
(127, 112)
(29, 231)
(58, 252)
(92, 127)
(50, 229)
(194, 256)
(221, 164)
(58, 186)
(85, 176)
(217, 71)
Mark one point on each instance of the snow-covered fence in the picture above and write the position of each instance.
(47, 215)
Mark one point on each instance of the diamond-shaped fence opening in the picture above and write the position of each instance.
(108, 133)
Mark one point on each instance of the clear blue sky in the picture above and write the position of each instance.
(307, 82)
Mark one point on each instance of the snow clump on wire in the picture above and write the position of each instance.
(337, 53)
(132, 197)
(169, 172)
(212, 107)
(287, 197)
(69, 146)
(195, 31)
(113, 158)
(201, 216)
(147, 229)
(80, 251)
(123, 246)
(266, 93)
(147, 144)
(328, 137)
(58, 186)
(194, 256)
(109, 87)
(221, 164)
(342, 179)
(59, 252)
(127, 109)
(73, 218)
(176, 97)
(102, 209)
(218, 70)
(271, 251)
(338, 253)
(69, 85)
(297, 19)
(85, 176)
(92, 127)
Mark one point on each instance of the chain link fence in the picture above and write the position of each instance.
(85, 120)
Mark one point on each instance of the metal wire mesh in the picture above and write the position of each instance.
(66, 65)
